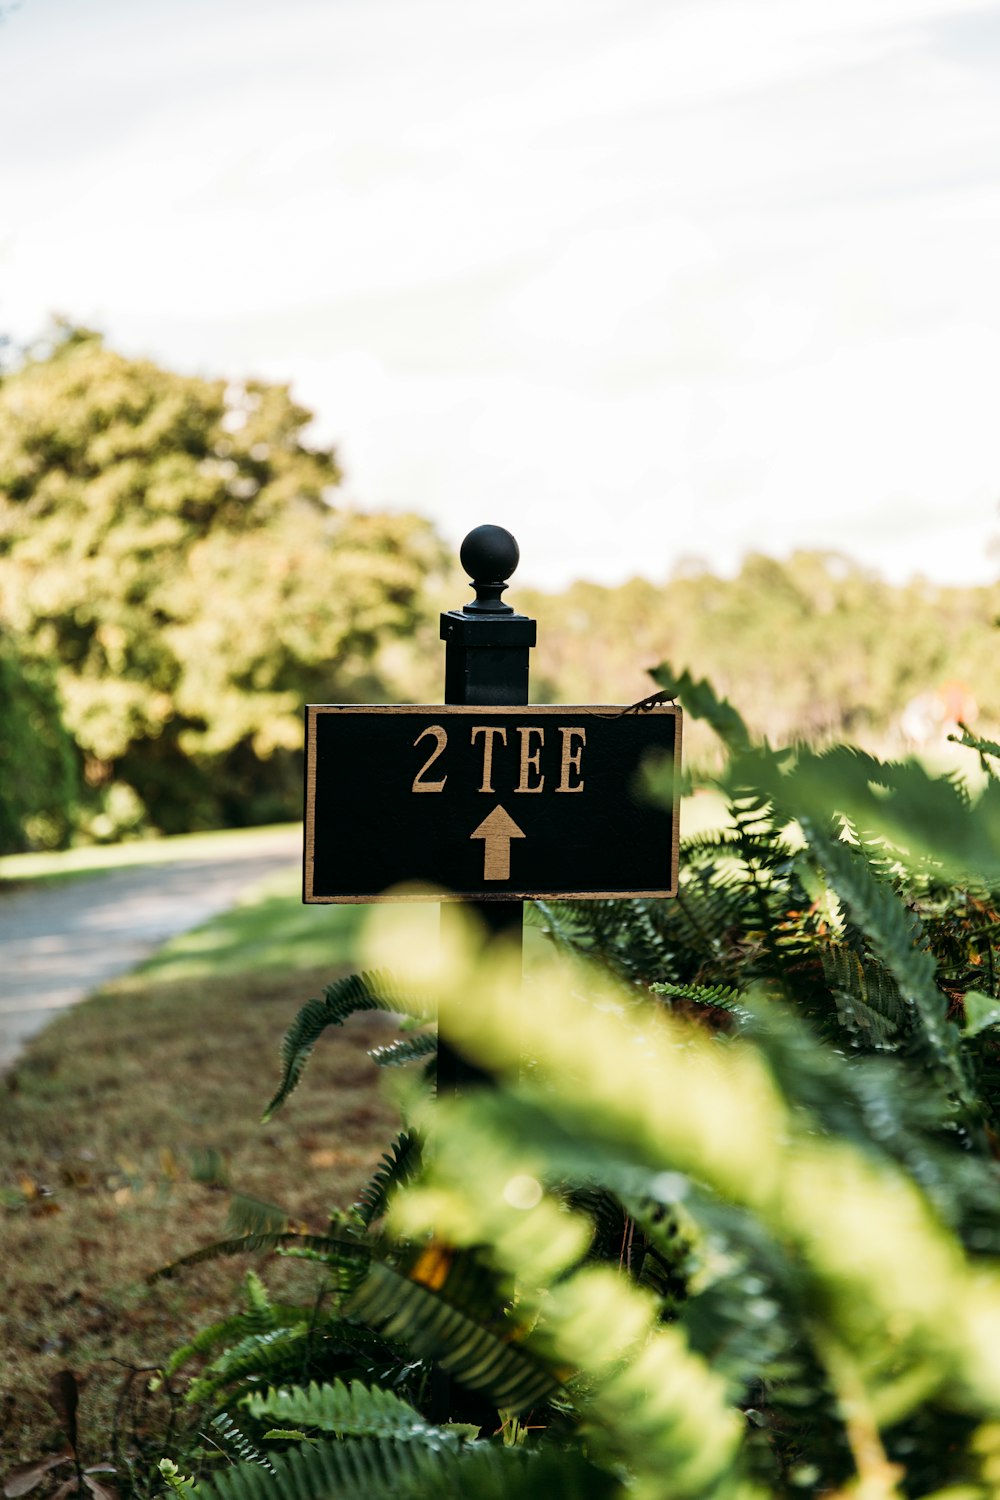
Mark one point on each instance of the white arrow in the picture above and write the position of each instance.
(496, 830)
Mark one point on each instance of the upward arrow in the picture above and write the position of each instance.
(496, 830)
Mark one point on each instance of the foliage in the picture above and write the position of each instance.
(38, 764)
(728, 1224)
(168, 543)
(813, 647)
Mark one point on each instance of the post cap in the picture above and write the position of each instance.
(489, 555)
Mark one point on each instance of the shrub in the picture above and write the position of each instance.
(38, 761)
(727, 1224)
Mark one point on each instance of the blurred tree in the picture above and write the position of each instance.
(39, 772)
(813, 647)
(168, 543)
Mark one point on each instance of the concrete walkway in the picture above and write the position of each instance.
(60, 941)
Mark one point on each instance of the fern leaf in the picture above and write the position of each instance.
(262, 1355)
(984, 748)
(363, 1467)
(407, 1049)
(260, 1316)
(260, 1311)
(324, 1244)
(358, 992)
(349, 1411)
(721, 996)
(866, 996)
(397, 1165)
(239, 1442)
(432, 1328)
(389, 1469)
(897, 939)
(700, 700)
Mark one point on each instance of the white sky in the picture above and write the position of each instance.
(638, 279)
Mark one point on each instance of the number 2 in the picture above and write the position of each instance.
(419, 785)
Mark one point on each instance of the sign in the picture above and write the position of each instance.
(488, 803)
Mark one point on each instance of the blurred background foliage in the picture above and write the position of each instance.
(815, 648)
(169, 549)
(178, 576)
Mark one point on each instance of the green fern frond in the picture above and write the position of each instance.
(349, 1411)
(207, 1339)
(608, 1217)
(720, 996)
(238, 1441)
(866, 995)
(699, 699)
(898, 941)
(407, 1049)
(432, 1328)
(390, 1469)
(260, 1316)
(265, 1356)
(357, 992)
(260, 1310)
(984, 748)
(711, 842)
(397, 1165)
(370, 1468)
(564, 923)
(325, 1244)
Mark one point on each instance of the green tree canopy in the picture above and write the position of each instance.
(38, 765)
(168, 542)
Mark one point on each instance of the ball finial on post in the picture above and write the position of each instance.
(489, 555)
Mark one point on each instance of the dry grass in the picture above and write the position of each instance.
(115, 1130)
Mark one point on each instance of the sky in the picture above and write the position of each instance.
(645, 281)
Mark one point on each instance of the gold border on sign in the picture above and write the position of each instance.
(598, 710)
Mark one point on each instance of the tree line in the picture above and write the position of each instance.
(179, 575)
(175, 582)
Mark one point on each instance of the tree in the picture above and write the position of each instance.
(169, 544)
(39, 774)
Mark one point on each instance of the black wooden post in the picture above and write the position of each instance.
(486, 666)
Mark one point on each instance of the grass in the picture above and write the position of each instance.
(130, 1120)
(90, 858)
(123, 1130)
(269, 929)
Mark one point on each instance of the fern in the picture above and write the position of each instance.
(390, 1469)
(261, 1355)
(716, 996)
(238, 1441)
(349, 1411)
(897, 939)
(866, 995)
(985, 748)
(699, 698)
(407, 1049)
(261, 1316)
(358, 992)
(432, 1328)
(397, 1165)
(327, 1245)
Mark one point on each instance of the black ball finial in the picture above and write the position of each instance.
(489, 555)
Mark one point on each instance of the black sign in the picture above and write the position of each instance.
(487, 803)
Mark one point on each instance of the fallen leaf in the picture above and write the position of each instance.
(100, 1491)
(23, 1479)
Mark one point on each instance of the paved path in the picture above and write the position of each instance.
(61, 940)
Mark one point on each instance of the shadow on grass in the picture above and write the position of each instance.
(269, 929)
